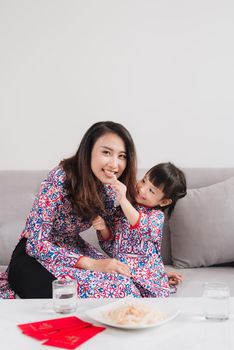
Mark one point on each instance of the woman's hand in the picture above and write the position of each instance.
(174, 278)
(99, 224)
(104, 265)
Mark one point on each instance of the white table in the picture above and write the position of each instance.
(189, 330)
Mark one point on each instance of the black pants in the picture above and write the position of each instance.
(27, 277)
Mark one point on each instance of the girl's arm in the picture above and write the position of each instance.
(130, 212)
(112, 196)
(148, 225)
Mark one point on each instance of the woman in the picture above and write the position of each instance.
(71, 196)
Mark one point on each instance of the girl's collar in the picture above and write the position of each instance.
(148, 207)
(145, 206)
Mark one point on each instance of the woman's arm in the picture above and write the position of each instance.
(99, 224)
(40, 223)
(39, 226)
(104, 235)
(103, 265)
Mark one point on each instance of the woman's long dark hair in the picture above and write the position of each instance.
(82, 185)
(172, 180)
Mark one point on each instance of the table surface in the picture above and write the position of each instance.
(189, 330)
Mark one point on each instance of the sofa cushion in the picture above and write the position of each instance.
(17, 193)
(202, 226)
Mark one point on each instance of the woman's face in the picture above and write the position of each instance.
(108, 157)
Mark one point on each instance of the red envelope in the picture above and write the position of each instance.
(44, 329)
(72, 339)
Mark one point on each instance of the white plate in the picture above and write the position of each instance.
(99, 314)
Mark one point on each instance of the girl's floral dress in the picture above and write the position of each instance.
(139, 246)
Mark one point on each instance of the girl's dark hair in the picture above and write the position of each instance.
(82, 185)
(172, 180)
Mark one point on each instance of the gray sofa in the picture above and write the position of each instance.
(206, 185)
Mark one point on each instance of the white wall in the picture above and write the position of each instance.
(165, 69)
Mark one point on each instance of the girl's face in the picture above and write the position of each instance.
(108, 157)
(149, 195)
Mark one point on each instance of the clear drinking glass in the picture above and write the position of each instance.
(216, 301)
(64, 295)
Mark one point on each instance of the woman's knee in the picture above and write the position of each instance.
(27, 277)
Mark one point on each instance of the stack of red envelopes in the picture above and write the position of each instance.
(67, 332)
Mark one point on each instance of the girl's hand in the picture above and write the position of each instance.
(174, 278)
(120, 189)
(99, 224)
(104, 265)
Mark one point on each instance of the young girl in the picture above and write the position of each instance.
(135, 237)
(70, 197)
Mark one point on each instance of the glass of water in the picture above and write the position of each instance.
(64, 295)
(216, 301)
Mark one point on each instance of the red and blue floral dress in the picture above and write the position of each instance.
(54, 240)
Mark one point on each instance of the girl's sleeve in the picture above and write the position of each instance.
(150, 226)
(40, 223)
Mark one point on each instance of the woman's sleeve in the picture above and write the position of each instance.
(112, 209)
(40, 223)
(109, 199)
(150, 226)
